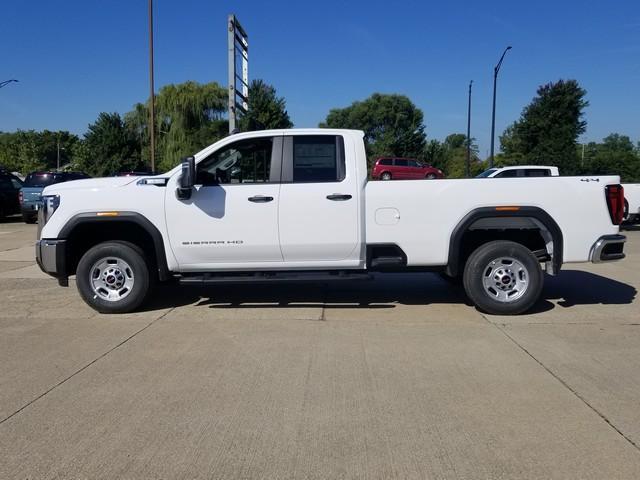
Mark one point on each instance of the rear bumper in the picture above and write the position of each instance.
(608, 248)
(51, 258)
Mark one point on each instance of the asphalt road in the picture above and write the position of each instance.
(394, 378)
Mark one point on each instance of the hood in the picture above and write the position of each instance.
(89, 184)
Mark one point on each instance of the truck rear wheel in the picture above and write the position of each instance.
(113, 277)
(503, 278)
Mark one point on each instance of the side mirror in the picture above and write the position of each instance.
(187, 179)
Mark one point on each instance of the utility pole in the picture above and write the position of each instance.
(152, 106)
(58, 161)
(468, 164)
(496, 69)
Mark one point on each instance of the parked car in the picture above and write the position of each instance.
(394, 168)
(295, 205)
(632, 202)
(31, 192)
(10, 186)
(520, 171)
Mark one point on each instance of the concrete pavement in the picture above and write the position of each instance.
(395, 378)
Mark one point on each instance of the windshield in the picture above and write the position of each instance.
(486, 173)
(41, 179)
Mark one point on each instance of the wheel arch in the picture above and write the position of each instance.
(85, 230)
(515, 221)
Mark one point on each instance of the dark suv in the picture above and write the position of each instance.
(32, 190)
(10, 186)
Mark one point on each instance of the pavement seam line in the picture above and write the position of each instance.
(565, 384)
(80, 370)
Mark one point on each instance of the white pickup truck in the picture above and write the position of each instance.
(296, 205)
(520, 171)
(632, 202)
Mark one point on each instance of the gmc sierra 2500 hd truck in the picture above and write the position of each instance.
(296, 205)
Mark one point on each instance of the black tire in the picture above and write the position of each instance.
(486, 275)
(138, 272)
(29, 218)
(385, 176)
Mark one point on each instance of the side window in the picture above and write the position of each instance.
(507, 174)
(17, 184)
(537, 172)
(401, 162)
(244, 161)
(318, 158)
(385, 161)
(413, 163)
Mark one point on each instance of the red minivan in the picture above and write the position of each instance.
(394, 168)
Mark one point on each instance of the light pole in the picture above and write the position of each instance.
(493, 114)
(152, 106)
(7, 82)
(467, 166)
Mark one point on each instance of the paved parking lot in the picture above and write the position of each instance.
(395, 378)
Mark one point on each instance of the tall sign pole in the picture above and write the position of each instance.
(468, 164)
(238, 44)
(152, 95)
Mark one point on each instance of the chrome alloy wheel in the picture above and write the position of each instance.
(111, 279)
(505, 279)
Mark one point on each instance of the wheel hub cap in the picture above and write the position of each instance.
(505, 279)
(111, 279)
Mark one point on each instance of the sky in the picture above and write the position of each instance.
(77, 58)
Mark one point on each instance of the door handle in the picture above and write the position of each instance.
(339, 197)
(260, 199)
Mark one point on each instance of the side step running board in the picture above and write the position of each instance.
(217, 278)
(382, 262)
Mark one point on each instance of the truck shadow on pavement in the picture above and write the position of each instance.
(569, 288)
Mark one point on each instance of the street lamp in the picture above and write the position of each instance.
(7, 82)
(493, 114)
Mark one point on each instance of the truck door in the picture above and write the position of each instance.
(232, 215)
(319, 211)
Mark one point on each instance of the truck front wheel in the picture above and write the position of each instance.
(503, 278)
(113, 277)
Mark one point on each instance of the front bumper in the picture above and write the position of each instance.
(51, 256)
(608, 248)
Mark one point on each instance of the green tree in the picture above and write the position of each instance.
(108, 147)
(392, 124)
(548, 128)
(27, 150)
(189, 116)
(616, 155)
(450, 156)
(266, 109)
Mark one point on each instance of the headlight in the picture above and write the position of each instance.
(50, 204)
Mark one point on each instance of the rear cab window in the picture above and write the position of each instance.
(537, 172)
(36, 180)
(313, 159)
